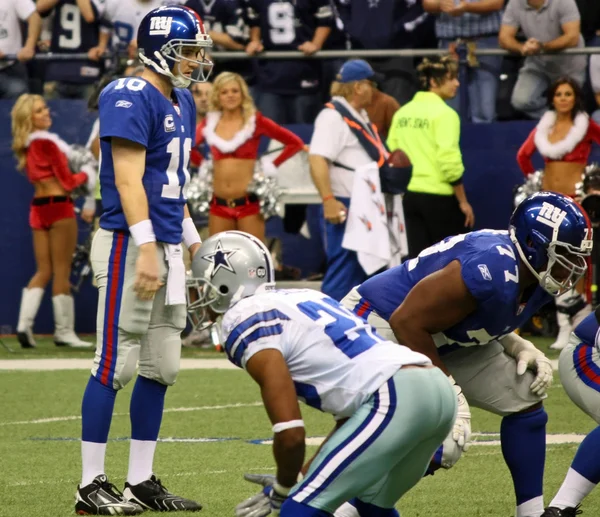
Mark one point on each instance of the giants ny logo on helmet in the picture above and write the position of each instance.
(160, 25)
(551, 216)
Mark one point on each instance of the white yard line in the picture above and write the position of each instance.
(167, 410)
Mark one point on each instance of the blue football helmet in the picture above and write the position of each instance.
(553, 236)
(228, 266)
(163, 33)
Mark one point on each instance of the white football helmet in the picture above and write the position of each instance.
(228, 266)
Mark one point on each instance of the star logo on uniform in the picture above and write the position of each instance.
(219, 259)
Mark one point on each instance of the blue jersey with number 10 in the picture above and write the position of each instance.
(133, 109)
(490, 270)
(336, 359)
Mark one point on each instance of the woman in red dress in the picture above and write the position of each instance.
(43, 157)
(564, 138)
(232, 129)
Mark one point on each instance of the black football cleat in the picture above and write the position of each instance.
(551, 511)
(101, 497)
(152, 495)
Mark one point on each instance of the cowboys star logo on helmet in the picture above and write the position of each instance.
(220, 259)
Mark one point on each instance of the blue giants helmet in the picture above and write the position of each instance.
(553, 236)
(162, 34)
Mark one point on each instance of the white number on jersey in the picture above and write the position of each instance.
(134, 84)
(173, 190)
(436, 248)
(281, 21)
(70, 21)
(347, 331)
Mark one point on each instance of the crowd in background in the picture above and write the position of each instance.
(293, 91)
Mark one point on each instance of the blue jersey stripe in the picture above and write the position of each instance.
(255, 319)
(260, 332)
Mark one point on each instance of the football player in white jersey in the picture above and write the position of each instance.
(393, 407)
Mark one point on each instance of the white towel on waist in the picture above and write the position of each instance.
(175, 294)
(375, 231)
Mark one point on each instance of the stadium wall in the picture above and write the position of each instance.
(491, 174)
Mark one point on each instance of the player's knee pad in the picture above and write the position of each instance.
(163, 361)
(124, 372)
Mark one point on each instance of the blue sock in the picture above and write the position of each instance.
(523, 439)
(146, 408)
(587, 459)
(370, 510)
(96, 411)
(291, 508)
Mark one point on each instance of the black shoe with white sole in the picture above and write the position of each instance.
(552, 511)
(152, 495)
(101, 497)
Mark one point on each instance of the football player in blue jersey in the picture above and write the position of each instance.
(460, 301)
(396, 408)
(579, 369)
(147, 127)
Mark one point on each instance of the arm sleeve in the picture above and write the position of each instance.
(324, 14)
(478, 277)
(248, 330)
(327, 139)
(568, 11)
(447, 138)
(292, 143)
(25, 9)
(252, 17)
(510, 15)
(57, 163)
(125, 116)
(525, 153)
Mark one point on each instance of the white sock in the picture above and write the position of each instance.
(92, 459)
(532, 508)
(574, 489)
(141, 458)
(346, 510)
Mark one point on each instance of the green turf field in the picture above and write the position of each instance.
(212, 429)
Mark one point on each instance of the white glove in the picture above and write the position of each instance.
(267, 502)
(461, 433)
(529, 357)
(268, 169)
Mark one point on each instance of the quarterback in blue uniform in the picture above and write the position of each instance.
(459, 303)
(147, 128)
(579, 369)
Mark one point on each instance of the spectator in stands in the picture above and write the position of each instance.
(75, 30)
(549, 26)
(43, 157)
(202, 93)
(390, 24)
(382, 108)
(590, 21)
(288, 89)
(428, 131)
(564, 138)
(13, 74)
(232, 129)
(334, 154)
(224, 21)
(595, 80)
(477, 23)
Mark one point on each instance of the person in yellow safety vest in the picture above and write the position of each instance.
(428, 131)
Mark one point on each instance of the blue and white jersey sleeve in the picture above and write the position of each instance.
(589, 330)
(125, 113)
(250, 327)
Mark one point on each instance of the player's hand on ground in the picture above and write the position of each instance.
(461, 432)
(538, 362)
(147, 272)
(334, 211)
(467, 210)
(267, 502)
